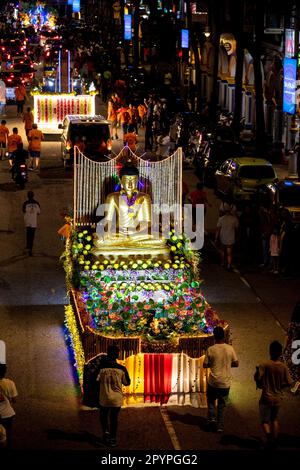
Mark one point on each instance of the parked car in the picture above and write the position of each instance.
(239, 178)
(212, 154)
(93, 131)
(283, 195)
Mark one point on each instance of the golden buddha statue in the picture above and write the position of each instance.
(128, 221)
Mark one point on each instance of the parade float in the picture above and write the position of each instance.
(139, 291)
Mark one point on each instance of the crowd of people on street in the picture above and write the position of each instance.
(11, 143)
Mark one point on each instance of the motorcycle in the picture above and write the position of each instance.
(20, 174)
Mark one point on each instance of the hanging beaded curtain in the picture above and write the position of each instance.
(93, 181)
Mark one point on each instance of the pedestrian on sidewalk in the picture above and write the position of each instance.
(219, 358)
(272, 377)
(31, 209)
(8, 394)
(275, 250)
(227, 227)
(111, 378)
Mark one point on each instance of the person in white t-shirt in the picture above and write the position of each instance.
(31, 209)
(227, 227)
(8, 394)
(219, 358)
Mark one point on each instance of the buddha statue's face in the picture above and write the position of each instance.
(129, 183)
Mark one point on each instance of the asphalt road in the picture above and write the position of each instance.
(32, 298)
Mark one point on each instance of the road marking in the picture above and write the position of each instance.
(245, 282)
(170, 428)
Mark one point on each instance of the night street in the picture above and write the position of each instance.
(33, 296)
(159, 104)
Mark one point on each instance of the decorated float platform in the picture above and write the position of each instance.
(149, 304)
(50, 109)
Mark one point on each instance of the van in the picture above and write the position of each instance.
(90, 133)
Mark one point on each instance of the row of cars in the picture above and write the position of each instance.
(16, 65)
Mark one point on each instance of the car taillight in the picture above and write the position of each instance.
(69, 145)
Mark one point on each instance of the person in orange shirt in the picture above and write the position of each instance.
(20, 94)
(4, 132)
(35, 138)
(123, 118)
(130, 138)
(134, 117)
(13, 141)
(28, 120)
(142, 113)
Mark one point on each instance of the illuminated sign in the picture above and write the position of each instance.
(185, 38)
(127, 27)
(289, 85)
(76, 6)
(289, 43)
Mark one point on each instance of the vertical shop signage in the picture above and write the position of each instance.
(76, 6)
(127, 27)
(289, 85)
(184, 38)
(289, 43)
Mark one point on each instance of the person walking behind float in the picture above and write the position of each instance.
(4, 133)
(19, 156)
(35, 138)
(31, 209)
(20, 94)
(272, 377)
(220, 358)
(8, 395)
(111, 377)
(275, 250)
(13, 141)
(28, 121)
(227, 227)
